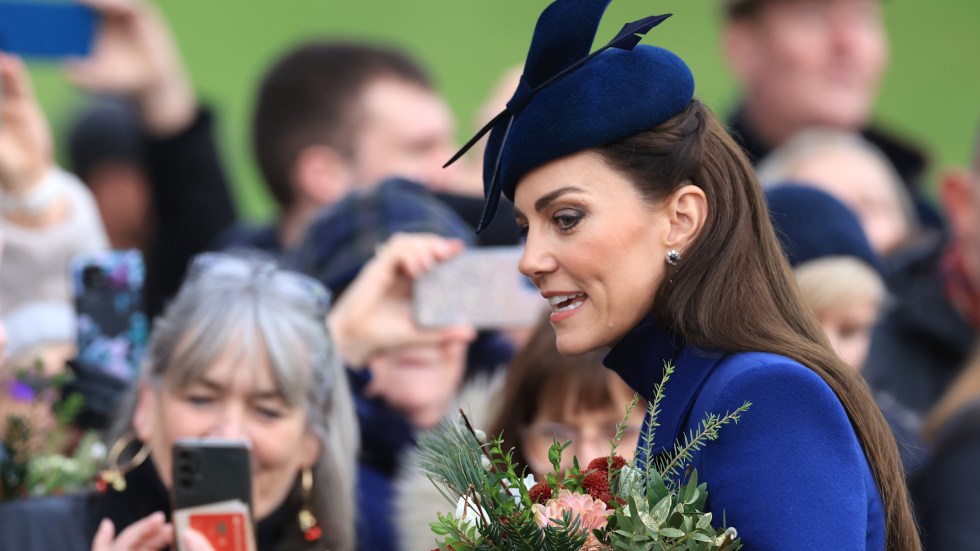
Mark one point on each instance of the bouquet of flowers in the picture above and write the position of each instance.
(611, 504)
(28, 465)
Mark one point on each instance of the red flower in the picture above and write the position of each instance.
(602, 464)
(540, 493)
(597, 484)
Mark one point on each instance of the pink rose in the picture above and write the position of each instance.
(592, 513)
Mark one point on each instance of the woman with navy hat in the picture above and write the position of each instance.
(648, 234)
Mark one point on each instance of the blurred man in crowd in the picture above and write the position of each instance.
(331, 117)
(806, 63)
(926, 334)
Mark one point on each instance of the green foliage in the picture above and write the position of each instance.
(653, 503)
(33, 465)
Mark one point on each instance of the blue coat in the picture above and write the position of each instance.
(791, 474)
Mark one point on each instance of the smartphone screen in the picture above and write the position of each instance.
(481, 287)
(46, 29)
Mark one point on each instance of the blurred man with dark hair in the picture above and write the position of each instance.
(333, 116)
(807, 63)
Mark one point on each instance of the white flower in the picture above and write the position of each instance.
(515, 492)
(480, 435)
(485, 461)
(469, 512)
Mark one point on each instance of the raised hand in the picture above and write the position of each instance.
(25, 138)
(375, 312)
(151, 533)
(135, 55)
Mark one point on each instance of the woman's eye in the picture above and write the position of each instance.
(567, 219)
(269, 412)
(200, 399)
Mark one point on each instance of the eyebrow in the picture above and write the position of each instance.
(261, 394)
(546, 199)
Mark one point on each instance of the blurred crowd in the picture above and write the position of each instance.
(297, 335)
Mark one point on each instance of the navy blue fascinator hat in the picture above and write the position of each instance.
(811, 224)
(570, 99)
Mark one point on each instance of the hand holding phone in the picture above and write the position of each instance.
(212, 488)
(45, 29)
(480, 287)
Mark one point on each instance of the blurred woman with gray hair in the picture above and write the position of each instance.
(242, 353)
(856, 173)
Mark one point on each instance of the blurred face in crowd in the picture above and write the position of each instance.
(122, 194)
(593, 248)
(237, 402)
(960, 195)
(406, 131)
(866, 186)
(589, 430)
(848, 326)
(809, 62)
(420, 381)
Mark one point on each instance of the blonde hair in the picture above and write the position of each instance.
(835, 281)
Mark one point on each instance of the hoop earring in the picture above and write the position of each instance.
(673, 257)
(307, 522)
(114, 474)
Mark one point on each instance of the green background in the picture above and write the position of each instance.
(931, 94)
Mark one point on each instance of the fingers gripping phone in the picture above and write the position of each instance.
(112, 329)
(212, 492)
(481, 287)
(46, 29)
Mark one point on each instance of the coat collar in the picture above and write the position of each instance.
(639, 359)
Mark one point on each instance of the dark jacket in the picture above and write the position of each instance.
(947, 492)
(192, 203)
(791, 474)
(69, 523)
(909, 161)
(921, 342)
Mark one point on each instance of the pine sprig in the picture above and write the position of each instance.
(653, 413)
(669, 466)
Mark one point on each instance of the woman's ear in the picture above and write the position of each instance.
(145, 414)
(310, 450)
(687, 210)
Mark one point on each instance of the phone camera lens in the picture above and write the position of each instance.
(94, 278)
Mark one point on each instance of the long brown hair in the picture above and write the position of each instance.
(735, 291)
(541, 379)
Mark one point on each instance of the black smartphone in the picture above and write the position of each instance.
(480, 286)
(112, 328)
(212, 492)
(211, 470)
(46, 29)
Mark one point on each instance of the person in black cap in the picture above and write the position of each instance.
(647, 232)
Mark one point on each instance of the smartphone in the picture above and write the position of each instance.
(46, 29)
(112, 329)
(212, 492)
(481, 287)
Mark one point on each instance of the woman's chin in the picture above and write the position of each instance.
(572, 346)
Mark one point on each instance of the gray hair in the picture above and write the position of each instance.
(247, 304)
(777, 167)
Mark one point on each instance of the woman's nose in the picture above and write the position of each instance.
(537, 260)
(231, 425)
